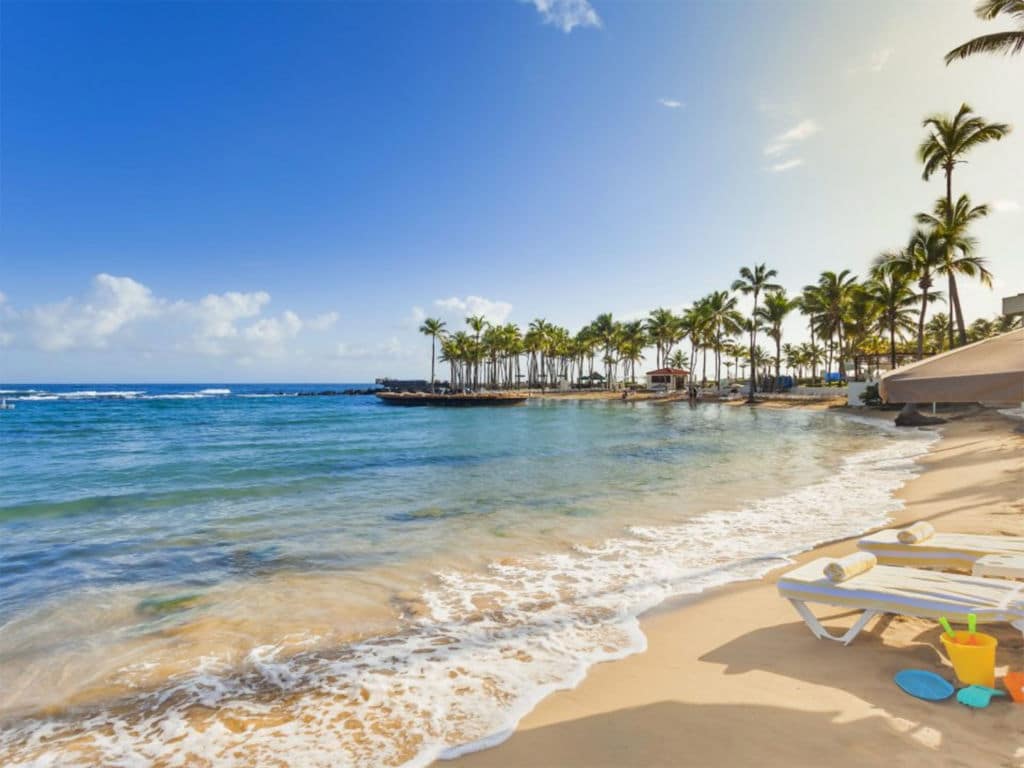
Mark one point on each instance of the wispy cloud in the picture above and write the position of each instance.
(1006, 206)
(671, 103)
(872, 62)
(799, 132)
(390, 348)
(567, 14)
(786, 165)
(785, 141)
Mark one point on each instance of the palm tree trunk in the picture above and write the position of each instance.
(753, 348)
(433, 354)
(892, 347)
(778, 361)
(920, 323)
(954, 296)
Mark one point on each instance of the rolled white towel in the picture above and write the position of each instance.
(916, 533)
(847, 567)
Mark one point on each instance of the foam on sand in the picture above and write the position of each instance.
(486, 648)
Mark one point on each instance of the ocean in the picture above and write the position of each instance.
(227, 574)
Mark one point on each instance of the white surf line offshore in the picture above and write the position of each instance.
(489, 648)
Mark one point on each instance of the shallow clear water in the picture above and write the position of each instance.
(191, 575)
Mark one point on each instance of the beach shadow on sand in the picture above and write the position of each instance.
(680, 734)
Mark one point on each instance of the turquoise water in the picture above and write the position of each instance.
(391, 583)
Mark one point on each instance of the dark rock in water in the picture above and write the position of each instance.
(911, 417)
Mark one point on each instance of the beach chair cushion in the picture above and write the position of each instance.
(908, 591)
(946, 551)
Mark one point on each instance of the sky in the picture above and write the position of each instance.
(283, 191)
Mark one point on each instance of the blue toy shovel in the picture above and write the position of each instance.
(977, 696)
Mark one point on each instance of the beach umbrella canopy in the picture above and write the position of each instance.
(990, 370)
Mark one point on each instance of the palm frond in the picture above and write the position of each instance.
(989, 9)
(998, 42)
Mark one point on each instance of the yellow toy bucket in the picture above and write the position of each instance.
(973, 657)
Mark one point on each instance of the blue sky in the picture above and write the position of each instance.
(243, 191)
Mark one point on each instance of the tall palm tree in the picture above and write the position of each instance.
(476, 323)
(949, 140)
(607, 330)
(832, 297)
(774, 311)
(895, 299)
(754, 282)
(432, 327)
(923, 257)
(662, 326)
(951, 227)
(723, 318)
(998, 42)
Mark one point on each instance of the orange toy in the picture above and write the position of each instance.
(1014, 682)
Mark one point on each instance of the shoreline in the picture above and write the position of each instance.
(755, 669)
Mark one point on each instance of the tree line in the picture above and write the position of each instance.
(849, 319)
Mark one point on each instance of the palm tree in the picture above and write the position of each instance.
(776, 307)
(923, 257)
(997, 42)
(754, 283)
(948, 140)
(951, 225)
(607, 330)
(831, 298)
(722, 317)
(476, 323)
(935, 332)
(679, 359)
(432, 327)
(895, 300)
(662, 326)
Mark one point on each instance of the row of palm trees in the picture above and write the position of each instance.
(852, 319)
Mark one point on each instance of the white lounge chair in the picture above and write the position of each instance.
(945, 551)
(905, 591)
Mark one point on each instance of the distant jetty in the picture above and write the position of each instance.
(455, 400)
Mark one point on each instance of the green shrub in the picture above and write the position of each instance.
(870, 395)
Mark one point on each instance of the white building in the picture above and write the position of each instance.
(669, 379)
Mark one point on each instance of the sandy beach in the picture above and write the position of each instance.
(735, 678)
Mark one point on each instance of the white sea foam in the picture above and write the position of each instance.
(214, 391)
(489, 647)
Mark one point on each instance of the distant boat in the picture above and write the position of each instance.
(456, 400)
(5, 406)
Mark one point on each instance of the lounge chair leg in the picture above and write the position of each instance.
(823, 634)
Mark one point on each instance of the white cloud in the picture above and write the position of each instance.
(218, 313)
(567, 14)
(495, 311)
(121, 310)
(271, 332)
(671, 103)
(323, 322)
(113, 303)
(6, 312)
(1005, 206)
(786, 165)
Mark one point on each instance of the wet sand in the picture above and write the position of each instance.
(735, 678)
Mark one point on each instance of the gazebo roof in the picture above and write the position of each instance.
(669, 372)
